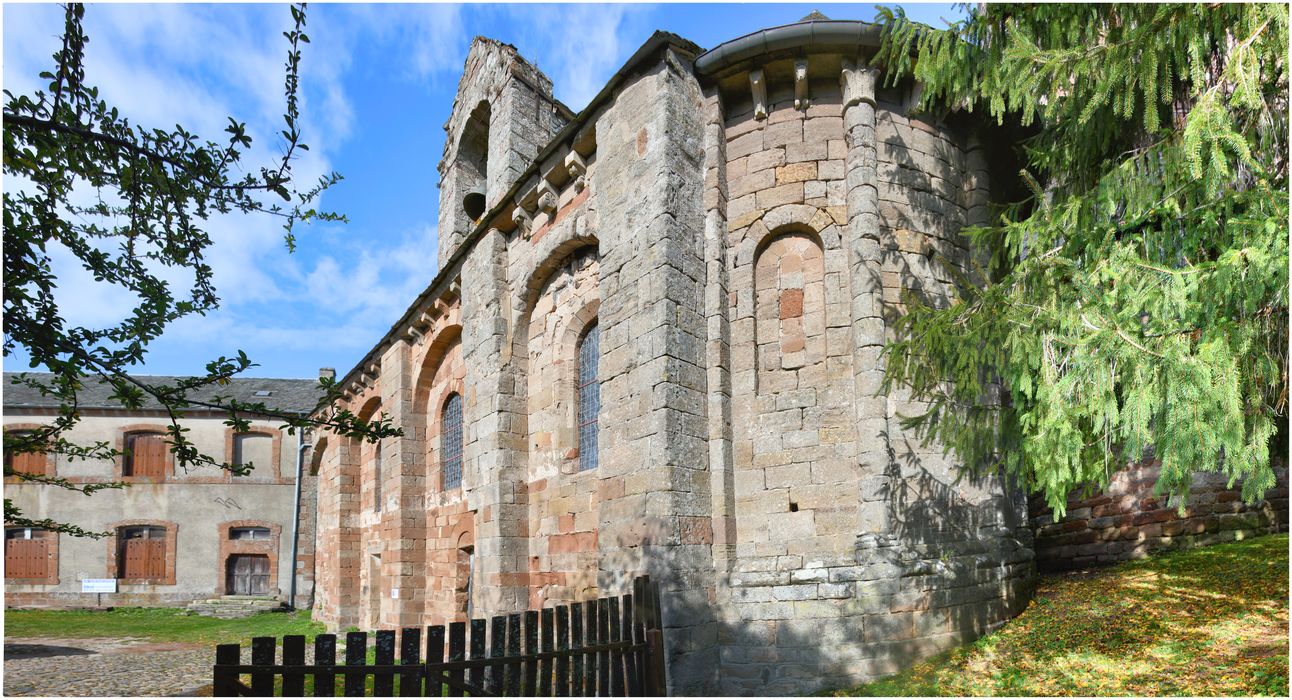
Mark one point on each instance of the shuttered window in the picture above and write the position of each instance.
(26, 553)
(451, 442)
(141, 553)
(26, 462)
(589, 398)
(147, 454)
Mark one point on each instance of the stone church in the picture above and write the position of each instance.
(654, 346)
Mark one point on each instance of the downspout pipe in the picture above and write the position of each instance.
(296, 517)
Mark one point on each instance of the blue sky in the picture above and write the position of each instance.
(378, 83)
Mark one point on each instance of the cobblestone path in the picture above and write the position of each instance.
(104, 667)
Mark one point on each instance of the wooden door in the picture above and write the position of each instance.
(248, 574)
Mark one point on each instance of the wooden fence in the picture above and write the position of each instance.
(611, 647)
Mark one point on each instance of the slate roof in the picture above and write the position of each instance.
(295, 395)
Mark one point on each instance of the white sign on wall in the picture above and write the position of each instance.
(394, 593)
(98, 585)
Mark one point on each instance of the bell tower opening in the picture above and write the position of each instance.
(473, 163)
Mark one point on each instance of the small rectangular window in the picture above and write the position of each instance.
(249, 533)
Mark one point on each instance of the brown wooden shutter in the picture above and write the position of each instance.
(134, 559)
(25, 558)
(148, 455)
(27, 462)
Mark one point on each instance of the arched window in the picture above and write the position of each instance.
(589, 396)
(451, 443)
(376, 477)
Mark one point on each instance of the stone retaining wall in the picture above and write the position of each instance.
(1129, 522)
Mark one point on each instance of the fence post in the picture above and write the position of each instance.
(294, 655)
(225, 683)
(410, 646)
(656, 682)
(383, 682)
(263, 652)
(324, 656)
(356, 656)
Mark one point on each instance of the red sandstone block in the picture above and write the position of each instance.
(696, 530)
(610, 489)
(1155, 516)
(1074, 526)
(791, 303)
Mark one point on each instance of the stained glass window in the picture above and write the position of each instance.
(451, 442)
(589, 398)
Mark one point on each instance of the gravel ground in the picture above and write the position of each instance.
(106, 667)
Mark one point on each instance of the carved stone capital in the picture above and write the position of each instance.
(858, 82)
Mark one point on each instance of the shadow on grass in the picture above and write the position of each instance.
(1209, 621)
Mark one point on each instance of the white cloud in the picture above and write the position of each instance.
(377, 282)
(195, 66)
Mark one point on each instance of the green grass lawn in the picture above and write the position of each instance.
(1209, 621)
(156, 624)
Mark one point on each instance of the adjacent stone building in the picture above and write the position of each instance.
(653, 346)
(177, 534)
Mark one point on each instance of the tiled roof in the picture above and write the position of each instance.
(294, 395)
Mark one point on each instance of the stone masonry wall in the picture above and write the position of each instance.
(1127, 521)
(832, 211)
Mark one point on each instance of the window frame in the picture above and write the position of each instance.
(115, 551)
(446, 431)
(125, 462)
(252, 530)
(151, 533)
(589, 460)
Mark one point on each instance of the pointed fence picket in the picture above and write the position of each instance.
(611, 647)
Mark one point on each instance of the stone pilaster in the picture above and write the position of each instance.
(718, 329)
(494, 456)
(655, 516)
(865, 259)
(403, 510)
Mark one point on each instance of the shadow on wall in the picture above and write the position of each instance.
(953, 562)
